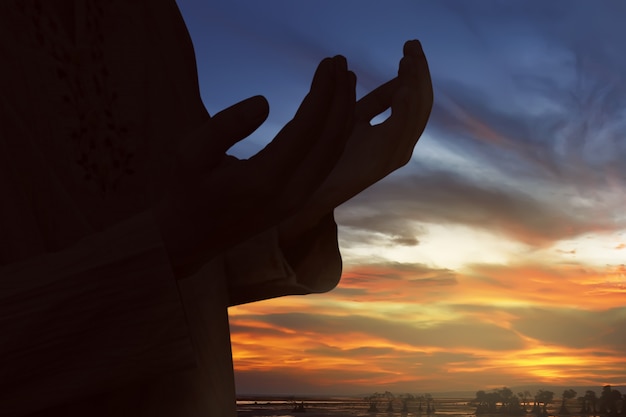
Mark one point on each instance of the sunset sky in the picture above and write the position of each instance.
(497, 256)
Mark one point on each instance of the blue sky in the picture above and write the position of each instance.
(512, 206)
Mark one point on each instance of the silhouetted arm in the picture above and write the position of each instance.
(301, 255)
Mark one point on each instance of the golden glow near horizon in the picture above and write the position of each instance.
(515, 317)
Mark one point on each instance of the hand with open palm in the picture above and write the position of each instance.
(373, 152)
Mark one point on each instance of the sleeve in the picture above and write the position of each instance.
(262, 269)
(90, 318)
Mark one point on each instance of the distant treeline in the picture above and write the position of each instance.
(610, 402)
(424, 402)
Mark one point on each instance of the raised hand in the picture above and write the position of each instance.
(214, 202)
(372, 152)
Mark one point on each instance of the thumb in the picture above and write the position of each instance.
(238, 121)
(208, 143)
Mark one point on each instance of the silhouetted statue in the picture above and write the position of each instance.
(126, 231)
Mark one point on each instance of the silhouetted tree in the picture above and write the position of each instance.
(406, 398)
(487, 402)
(523, 398)
(420, 400)
(430, 408)
(609, 400)
(543, 398)
(390, 406)
(481, 398)
(568, 394)
(377, 397)
(515, 407)
(373, 400)
(617, 399)
(506, 395)
(482, 402)
(584, 407)
(592, 400)
(499, 401)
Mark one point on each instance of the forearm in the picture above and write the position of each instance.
(314, 254)
(89, 319)
(279, 262)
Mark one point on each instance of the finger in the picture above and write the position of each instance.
(267, 173)
(289, 191)
(239, 121)
(324, 156)
(380, 99)
(412, 47)
(412, 102)
(208, 143)
(416, 76)
(294, 140)
(376, 102)
(320, 94)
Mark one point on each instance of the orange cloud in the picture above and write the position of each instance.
(559, 285)
(407, 327)
(363, 361)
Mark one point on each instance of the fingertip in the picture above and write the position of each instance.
(255, 109)
(411, 67)
(341, 63)
(325, 63)
(324, 69)
(412, 47)
(235, 123)
(260, 102)
(323, 74)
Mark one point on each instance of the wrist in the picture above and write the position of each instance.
(298, 234)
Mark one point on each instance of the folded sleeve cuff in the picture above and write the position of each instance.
(260, 269)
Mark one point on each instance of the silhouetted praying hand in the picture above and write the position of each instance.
(327, 154)
(372, 152)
